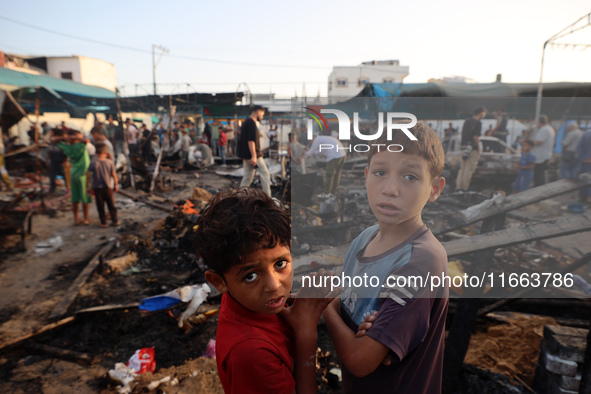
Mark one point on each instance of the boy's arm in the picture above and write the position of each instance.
(361, 355)
(116, 188)
(303, 317)
(88, 178)
(253, 153)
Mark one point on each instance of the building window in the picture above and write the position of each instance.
(342, 82)
(67, 76)
(362, 82)
(388, 80)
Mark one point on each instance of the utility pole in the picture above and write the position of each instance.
(155, 63)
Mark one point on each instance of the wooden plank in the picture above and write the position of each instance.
(154, 205)
(64, 354)
(46, 328)
(62, 307)
(106, 308)
(474, 214)
(166, 139)
(511, 236)
(128, 195)
(524, 292)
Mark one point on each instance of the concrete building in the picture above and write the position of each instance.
(75, 68)
(345, 82)
(84, 70)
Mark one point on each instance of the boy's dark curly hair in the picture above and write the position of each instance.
(238, 222)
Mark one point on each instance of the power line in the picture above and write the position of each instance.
(200, 59)
(228, 83)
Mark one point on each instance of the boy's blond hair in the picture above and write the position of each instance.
(428, 146)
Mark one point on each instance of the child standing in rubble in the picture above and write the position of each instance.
(103, 173)
(74, 146)
(389, 334)
(525, 167)
(244, 238)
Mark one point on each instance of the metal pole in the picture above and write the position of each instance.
(540, 89)
(154, 67)
(37, 160)
(125, 141)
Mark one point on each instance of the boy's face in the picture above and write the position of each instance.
(398, 187)
(526, 148)
(262, 282)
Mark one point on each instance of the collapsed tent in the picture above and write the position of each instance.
(77, 99)
(10, 111)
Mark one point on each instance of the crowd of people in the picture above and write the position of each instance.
(537, 151)
(224, 140)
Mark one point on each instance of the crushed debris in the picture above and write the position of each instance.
(511, 349)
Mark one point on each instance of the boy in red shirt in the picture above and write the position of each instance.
(223, 141)
(244, 237)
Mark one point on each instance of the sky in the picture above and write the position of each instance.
(280, 47)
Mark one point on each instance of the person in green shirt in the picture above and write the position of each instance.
(74, 146)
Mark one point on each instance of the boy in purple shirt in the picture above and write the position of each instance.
(409, 323)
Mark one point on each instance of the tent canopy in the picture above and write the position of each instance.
(16, 79)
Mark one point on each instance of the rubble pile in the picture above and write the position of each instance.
(561, 359)
(510, 349)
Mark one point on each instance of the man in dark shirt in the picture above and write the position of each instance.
(471, 147)
(500, 130)
(249, 150)
(119, 137)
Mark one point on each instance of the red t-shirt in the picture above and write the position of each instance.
(253, 351)
(223, 141)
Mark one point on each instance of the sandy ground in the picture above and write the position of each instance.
(31, 283)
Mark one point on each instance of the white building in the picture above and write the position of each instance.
(345, 82)
(83, 69)
(76, 68)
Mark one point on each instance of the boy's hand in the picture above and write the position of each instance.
(366, 325)
(335, 305)
(364, 328)
(309, 302)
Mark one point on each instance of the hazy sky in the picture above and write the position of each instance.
(434, 38)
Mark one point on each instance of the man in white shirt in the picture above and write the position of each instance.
(543, 147)
(333, 150)
(132, 134)
(185, 145)
(569, 167)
